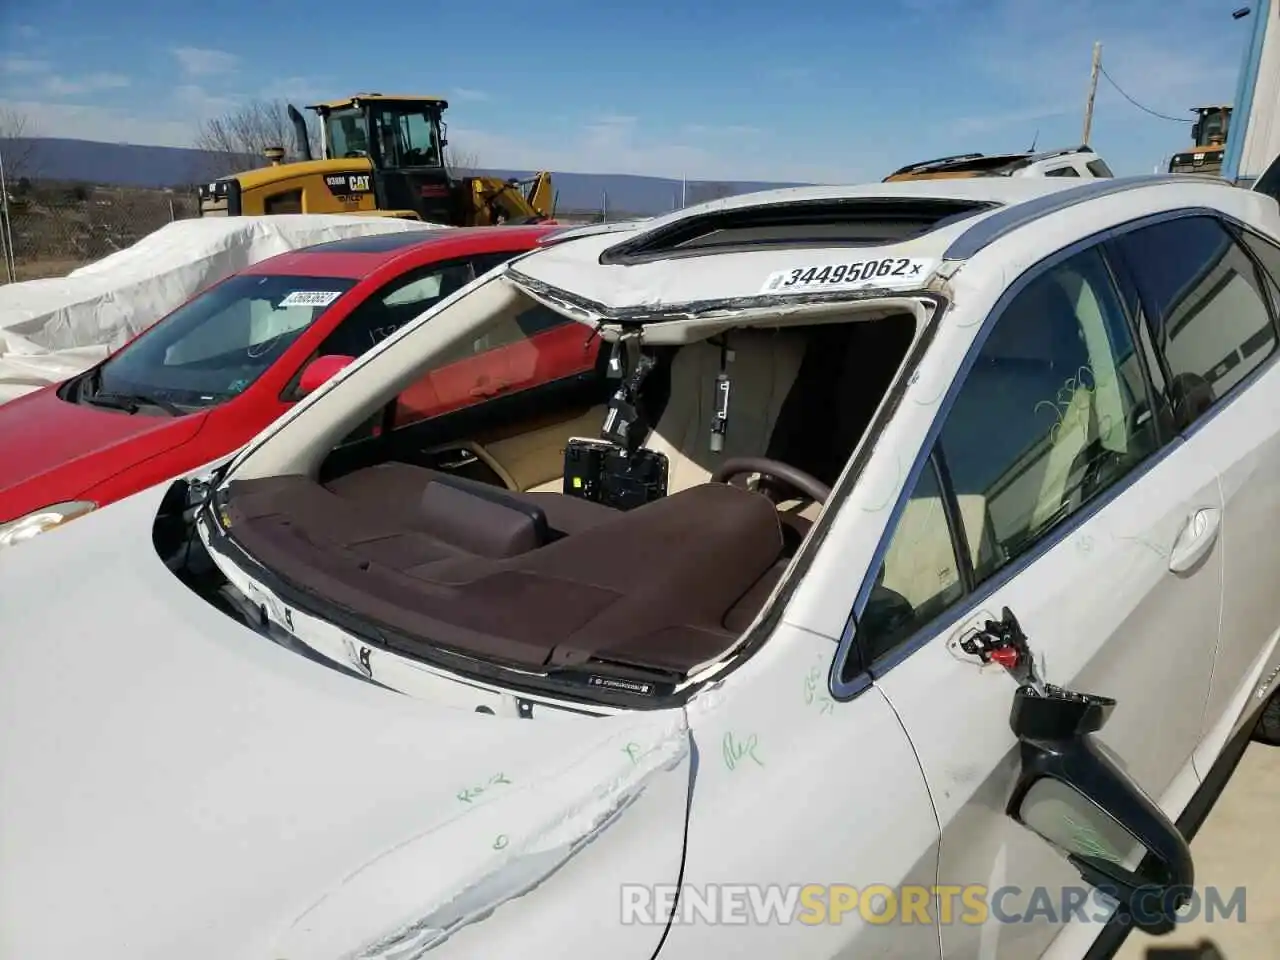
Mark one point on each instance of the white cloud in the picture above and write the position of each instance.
(58, 86)
(296, 90)
(1037, 53)
(729, 130)
(796, 76)
(198, 104)
(610, 143)
(469, 95)
(106, 124)
(994, 122)
(199, 62)
(623, 144)
(23, 66)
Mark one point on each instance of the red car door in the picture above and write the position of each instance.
(533, 348)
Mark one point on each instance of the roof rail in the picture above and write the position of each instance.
(1008, 219)
(929, 163)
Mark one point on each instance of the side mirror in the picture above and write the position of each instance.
(320, 370)
(1195, 133)
(1075, 797)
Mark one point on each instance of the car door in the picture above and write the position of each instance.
(399, 301)
(1208, 293)
(1050, 487)
(810, 831)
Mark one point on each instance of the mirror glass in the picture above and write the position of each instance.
(1071, 821)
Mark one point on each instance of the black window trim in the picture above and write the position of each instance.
(1243, 234)
(1155, 383)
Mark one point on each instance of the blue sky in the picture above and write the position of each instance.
(821, 91)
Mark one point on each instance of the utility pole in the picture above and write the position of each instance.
(6, 245)
(1093, 91)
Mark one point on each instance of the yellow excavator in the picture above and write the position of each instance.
(383, 156)
(1209, 134)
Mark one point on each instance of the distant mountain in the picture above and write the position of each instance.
(133, 165)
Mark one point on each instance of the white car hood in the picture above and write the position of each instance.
(172, 784)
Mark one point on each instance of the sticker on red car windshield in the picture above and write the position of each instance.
(310, 298)
(904, 272)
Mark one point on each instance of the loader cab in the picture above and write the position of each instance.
(403, 139)
(1210, 128)
(1209, 139)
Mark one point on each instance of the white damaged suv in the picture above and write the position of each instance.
(913, 539)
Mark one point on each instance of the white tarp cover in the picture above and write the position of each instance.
(55, 328)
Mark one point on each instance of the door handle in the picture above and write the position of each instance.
(1196, 539)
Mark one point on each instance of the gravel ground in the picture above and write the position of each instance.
(1239, 845)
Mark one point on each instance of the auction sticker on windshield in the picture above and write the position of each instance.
(310, 298)
(851, 275)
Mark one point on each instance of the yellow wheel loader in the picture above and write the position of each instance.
(1209, 134)
(383, 156)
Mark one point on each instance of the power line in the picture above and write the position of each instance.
(1154, 113)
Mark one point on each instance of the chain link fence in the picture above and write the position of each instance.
(49, 233)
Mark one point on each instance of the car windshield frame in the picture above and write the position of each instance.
(132, 370)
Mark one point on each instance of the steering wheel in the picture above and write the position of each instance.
(783, 473)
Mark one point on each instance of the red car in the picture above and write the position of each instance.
(204, 380)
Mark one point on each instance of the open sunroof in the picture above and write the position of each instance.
(864, 221)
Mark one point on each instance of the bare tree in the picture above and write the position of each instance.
(237, 140)
(19, 149)
(465, 163)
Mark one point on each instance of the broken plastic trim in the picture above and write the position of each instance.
(590, 311)
(851, 221)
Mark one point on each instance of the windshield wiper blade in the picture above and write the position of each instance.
(132, 401)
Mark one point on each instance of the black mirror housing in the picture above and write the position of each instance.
(1072, 794)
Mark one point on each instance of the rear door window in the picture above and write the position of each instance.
(1209, 317)
(404, 299)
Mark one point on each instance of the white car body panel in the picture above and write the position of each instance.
(1244, 439)
(200, 791)
(836, 797)
(140, 799)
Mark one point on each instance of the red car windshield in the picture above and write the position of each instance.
(215, 346)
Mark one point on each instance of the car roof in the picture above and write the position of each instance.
(979, 164)
(724, 258)
(355, 258)
(931, 214)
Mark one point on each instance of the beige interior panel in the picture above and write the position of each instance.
(763, 367)
(534, 460)
(921, 561)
